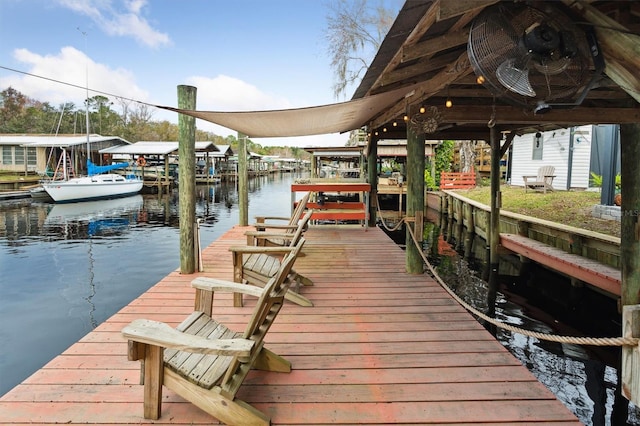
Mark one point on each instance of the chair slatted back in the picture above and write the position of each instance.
(545, 171)
(267, 308)
(300, 208)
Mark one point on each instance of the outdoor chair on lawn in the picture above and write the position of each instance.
(256, 264)
(542, 182)
(204, 361)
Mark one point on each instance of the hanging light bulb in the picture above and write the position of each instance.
(395, 124)
(422, 110)
(480, 79)
(406, 117)
(448, 103)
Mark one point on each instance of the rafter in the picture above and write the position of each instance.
(434, 45)
(450, 9)
(515, 115)
(425, 90)
(620, 48)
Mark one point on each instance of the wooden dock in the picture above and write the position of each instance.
(379, 347)
(597, 274)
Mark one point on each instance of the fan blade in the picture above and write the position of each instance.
(515, 78)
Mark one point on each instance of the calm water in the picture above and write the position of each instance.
(584, 378)
(67, 268)
(73, 266)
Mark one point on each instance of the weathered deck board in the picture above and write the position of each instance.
(379, 347)
(602, 276)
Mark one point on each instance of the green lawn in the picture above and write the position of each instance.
(571, 208)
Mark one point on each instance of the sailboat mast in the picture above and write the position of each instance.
(86, 102)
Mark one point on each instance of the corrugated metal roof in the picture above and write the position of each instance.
(337, 154)
(56, 141)
(156, 148)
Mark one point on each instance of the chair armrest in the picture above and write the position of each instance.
(160, 334)
(215, 284)
(271, 218)
(262, 234)
(260, 249)
(273, 226)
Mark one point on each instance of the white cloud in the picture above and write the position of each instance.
(121, 19)
(221, 93)
(70, 66)
(224, 93)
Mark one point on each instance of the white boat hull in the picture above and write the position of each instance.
(92, 188)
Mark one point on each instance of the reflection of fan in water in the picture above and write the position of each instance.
(533, 58)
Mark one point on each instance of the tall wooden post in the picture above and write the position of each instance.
(372, 168)
(630, 257)
(496, 204)
(630, 221)
(243, 180)
(187, 178)
(415, 198)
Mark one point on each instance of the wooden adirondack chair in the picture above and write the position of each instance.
(263, 223)
(204, 361)
(256, 264)
(542, 181)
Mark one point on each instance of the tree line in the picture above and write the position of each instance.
(20, 114)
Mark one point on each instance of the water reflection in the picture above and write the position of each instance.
(67, 268)
(584, 378)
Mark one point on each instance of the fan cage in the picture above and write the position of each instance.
(496, 38)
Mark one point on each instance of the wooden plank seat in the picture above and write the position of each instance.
(256, 264)
(542, 182)
(204, 361)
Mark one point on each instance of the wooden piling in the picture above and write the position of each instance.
(187, 178)
(496, 204)
(243, 180)
(415, 197)
(630, 257)
(372, 165)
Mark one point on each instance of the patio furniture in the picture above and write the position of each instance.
(204, 361)
(542, 182)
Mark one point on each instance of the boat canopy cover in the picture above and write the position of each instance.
(316, 120)
(93, 169)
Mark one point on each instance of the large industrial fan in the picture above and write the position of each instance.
(535, 58)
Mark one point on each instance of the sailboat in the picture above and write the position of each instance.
(95, 186)
(98, 184)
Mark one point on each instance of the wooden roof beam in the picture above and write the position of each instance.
(435, 45)
(450, 9)
(621, 49)
(455, 70)
(514, 115)
(425, 23)
(420, 68)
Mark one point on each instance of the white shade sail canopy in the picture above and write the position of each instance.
(316, 120)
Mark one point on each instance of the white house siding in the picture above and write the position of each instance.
(555, 153)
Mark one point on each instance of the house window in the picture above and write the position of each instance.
(19, 155)
(7, 155)
(538, 143)
(32, 157)
(15, 155)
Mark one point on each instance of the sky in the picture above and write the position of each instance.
(241, 55)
